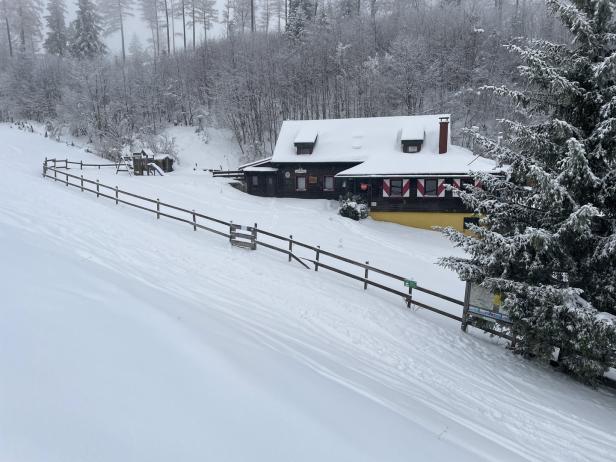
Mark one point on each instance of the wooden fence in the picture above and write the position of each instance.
(234, 174)
(255, 238)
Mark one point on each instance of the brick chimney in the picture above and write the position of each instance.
(443, 135)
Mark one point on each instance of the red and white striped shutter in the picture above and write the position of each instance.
(441, 188)
(420, 187)
(457, 185)
(478, 184)
(386, 189)
(406, 188)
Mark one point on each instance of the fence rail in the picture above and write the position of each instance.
(230, 231)
(58, 163)
(228, 173)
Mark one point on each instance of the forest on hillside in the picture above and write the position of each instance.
(275, 60)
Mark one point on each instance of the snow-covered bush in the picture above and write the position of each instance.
(353, 207)
(163, 145)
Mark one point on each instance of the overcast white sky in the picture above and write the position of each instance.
(137, 26)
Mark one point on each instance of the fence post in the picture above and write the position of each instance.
(194, 221)
(157, 208)
(117, 194)
(81, 183)
(66, 179)
(254, 237)
(231, 231)
(66, 164)
(81, 165)
(467, 302)
(316, 263)
(45, 168)
(55, 172)
(54, 163)
(290, 246)
(366, 276)
(97, 190)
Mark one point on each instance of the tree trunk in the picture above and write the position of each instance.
(22, 31)
(374, 24)
(194, 25)
(168, 30)
(172, 28)
(252, 16)
(204, 29)
(8, 34)
(122, 32)
(184, 23)
(157, 28)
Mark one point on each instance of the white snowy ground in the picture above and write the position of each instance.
(127, 338)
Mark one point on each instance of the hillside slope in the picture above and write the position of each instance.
(128, 338)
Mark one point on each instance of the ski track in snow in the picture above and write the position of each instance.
(463, 390)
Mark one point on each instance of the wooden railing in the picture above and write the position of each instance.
(230, 230)
(65, 163)
(367, 269)
(228, 173)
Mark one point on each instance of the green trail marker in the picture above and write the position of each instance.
(410, 283)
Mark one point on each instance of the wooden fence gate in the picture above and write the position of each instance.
(247, 239)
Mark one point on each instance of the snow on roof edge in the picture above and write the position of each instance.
(260, 169)
(306, 135)
(413, 133)
(255, 163)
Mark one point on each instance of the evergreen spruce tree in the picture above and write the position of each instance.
(57, 33)
(548, 235)
(85, 38)
(300, 13)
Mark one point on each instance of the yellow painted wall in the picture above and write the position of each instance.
(424, 220)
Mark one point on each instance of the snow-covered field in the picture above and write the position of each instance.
(127, 338)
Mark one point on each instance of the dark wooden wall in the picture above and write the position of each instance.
(286, 187)
(449, 203)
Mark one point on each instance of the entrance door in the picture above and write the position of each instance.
(270, 185)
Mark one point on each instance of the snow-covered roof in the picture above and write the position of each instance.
(457, 161)
(255, 163)
(375, 143)
(162, 156)
(413, 132)
(306, 135)
(260, 169)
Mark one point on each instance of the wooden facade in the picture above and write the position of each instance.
(304, 181)
(315, 180)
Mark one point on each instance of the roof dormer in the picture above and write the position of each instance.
(305, 140)
(412, 138)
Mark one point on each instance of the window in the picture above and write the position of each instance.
(395, 188)
(255, 180)
(431, 186)
(411, 148)
(328, 183)
(304, 149)
(300, 183)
